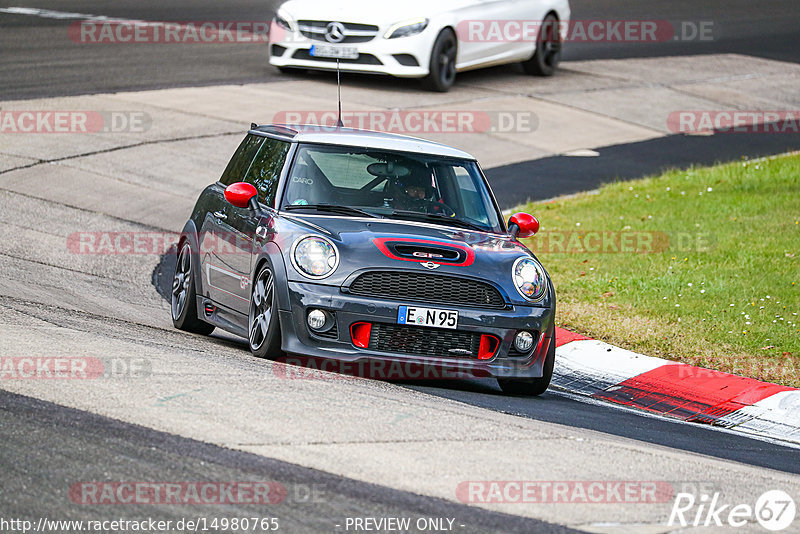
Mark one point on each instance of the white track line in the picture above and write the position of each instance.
(63, 15)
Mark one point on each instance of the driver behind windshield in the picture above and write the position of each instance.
(415, 192)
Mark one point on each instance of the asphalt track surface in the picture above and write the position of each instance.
(553, 176)
(45, 446)
(38, 59)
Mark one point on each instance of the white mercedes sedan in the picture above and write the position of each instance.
(427, 39)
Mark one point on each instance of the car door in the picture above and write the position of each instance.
(218, 244)
(487, 41)
(533, 12)
(241, 223)
(471, 17)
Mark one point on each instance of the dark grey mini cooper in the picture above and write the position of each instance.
(366, 250)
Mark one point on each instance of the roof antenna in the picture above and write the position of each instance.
(339, 123)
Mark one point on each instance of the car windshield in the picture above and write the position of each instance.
(397, 185)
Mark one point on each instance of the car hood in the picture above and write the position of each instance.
(368, 245)
(369, 11)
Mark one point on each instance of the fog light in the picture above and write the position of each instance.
(317, 319)
(524, 341)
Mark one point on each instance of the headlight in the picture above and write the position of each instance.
(283, 20)
(529, 278)
(315, 257)
(406, 28)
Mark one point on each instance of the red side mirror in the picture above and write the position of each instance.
(240, 194)
(523, 225)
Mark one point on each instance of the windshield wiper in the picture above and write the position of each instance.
(439, 219)
(343, 210)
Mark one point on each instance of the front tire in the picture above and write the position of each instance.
(548, 49)
(442, 73)
(184, 297)
(264, 329)
(532, 387)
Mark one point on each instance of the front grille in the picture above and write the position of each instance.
(422, 287)
(353, 33)
(434, 342)
(362, 59)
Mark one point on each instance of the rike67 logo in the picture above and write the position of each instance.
(774, 510)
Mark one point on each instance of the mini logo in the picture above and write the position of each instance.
(334, 33)
(464, 352)
(430, 265)
(429, 255)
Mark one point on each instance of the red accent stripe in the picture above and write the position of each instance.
(565, 336)
(690, 393)
(380, 242)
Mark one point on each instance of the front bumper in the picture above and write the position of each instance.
(503, 324)
(378, 56)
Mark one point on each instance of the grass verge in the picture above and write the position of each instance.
(699, 266)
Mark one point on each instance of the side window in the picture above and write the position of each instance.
(266, 169)
(473, 206)
(241, 160)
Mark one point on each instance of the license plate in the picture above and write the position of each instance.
(427, 317)
(340, 52)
